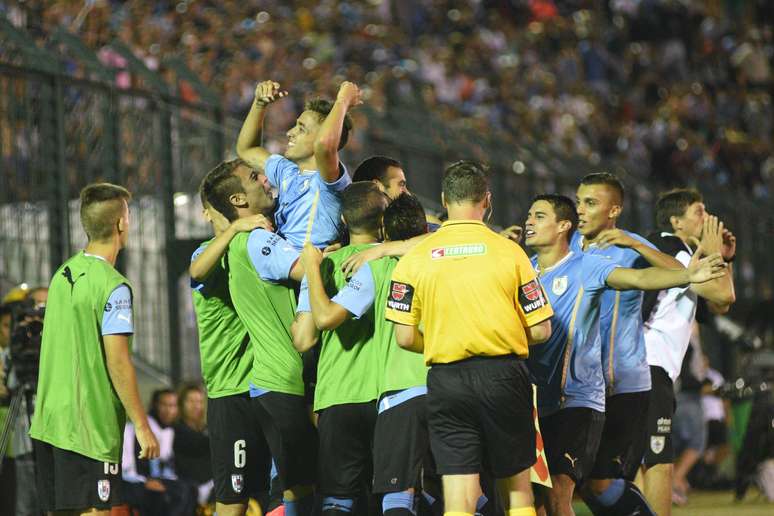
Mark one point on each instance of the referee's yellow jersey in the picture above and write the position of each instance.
(475, 291)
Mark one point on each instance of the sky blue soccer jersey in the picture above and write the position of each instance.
(623, 343)
(567, 368)
(297, 190)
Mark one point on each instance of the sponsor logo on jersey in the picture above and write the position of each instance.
(401, 295)
(457, 251)
(103, 490)
(237, 482)
(266, 251)
(531, 296)
(559, 285)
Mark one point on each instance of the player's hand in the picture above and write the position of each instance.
(352, 264)
(252, 222)
(267, 92)
(728, 247)
(155, 485)
(712, 235)
(311, 257)
(615, 237)
(705, 269)
(335, 246)
(514, 233)
(349, 94)
(149, 446)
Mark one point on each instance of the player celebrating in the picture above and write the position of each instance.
(669, 315)
(568, 367)
(479, 301)
(310, 177)
(387, 173)
(260, 264)
(227, 360)
(87, 381)
(600, 200)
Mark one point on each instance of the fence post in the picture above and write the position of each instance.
(58, 206)
(167, 200)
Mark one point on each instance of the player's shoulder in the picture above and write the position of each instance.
(667, 243)
(200, 249)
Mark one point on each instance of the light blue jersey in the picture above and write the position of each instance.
(623, 343)
(567, 368)
(297, 190)
(117, 317)
(272, 256)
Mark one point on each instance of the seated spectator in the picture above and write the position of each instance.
(192, 444)
(152, 486)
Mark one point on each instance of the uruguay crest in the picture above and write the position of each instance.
(103, 490)
(657, 443)
(559, 285)
(237, 483)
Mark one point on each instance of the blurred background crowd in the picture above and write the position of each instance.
(678, 90)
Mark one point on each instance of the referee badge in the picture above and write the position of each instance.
(103, 490)
(657, 443)
(236, 483)
(559, 286)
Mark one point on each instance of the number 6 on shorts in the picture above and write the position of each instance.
(240, 455)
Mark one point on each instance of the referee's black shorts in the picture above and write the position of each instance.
(480, 416)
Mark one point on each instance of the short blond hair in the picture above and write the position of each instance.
(101, 208)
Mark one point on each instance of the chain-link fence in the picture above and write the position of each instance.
(66, 120)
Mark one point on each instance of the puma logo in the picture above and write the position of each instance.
(572, 461)
(68, 274)
(124, 318)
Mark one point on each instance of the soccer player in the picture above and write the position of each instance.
(568, 367)
(669, 315)
(480, 303)
(600, 199)
(309, 177)
(227, 361)
(87, 382)
(400, 436)
(386, 173)
(347, 379)
(260, 265)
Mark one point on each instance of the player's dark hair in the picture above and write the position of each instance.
(362, 206)
(563, 207)
(673, 204)
(323, 107)
(374, 169)
(219, 185)
(404, 218)
(101, 209)
(465, 180)
(607, 179)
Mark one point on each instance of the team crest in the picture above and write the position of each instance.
(399, 290)
(103, 490)
(657, 443)
(559, 286)
(236, 483)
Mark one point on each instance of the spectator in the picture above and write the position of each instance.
(192, 445)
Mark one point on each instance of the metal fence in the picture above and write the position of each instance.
(65, 123)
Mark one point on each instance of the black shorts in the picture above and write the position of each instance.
(658, 439)
(292, 438)
(400, 445)
(69, 481)
(346, 437)
(241, 462)
(480, 416)
(571, 439)
(620, 448)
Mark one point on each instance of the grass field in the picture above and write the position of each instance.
(714, 503)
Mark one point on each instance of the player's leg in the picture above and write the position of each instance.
(455, 438)
(345, 462)
(293, 443)
(657, 481)
(506, 412)
(659, 451)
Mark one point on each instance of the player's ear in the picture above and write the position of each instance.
(238, 199)
(674, 220)
(443, 202)
(615, 211)
(565, 225)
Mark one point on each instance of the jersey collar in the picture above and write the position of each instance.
(462, 221)
(94, 256)
(554, 266)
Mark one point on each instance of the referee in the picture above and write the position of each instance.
(87, 380)
(481, 305)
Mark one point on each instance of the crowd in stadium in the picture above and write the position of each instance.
(680, 91)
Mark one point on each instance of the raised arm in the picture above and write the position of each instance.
(249, 144)
(652, 255)
(719, 293)
(209, 257)
(326, 147)
(124, 379)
